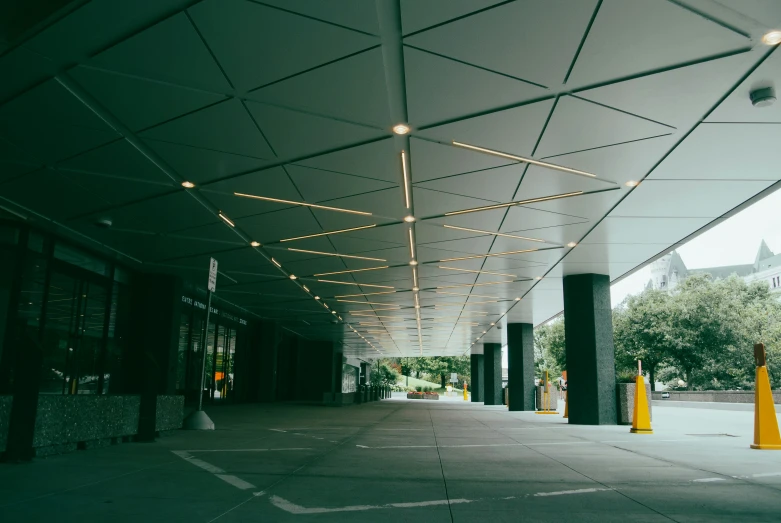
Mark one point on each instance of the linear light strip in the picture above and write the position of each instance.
(488, 255)
(369, 303)
(406, 178)
(513, 204)
(357, 313)
(415, 277)
(226, 219)
(478, 272)
(475, 284)
(352, 270)
(353, 283)
(329, 232)
(494, 233)
(363, 294)
(470, 295)
(525, 160)
(411, 245)
(304, 204)
(336, 254)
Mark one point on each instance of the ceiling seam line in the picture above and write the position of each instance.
(310, 17)
(226, 98)
(486, 69)
(208, 48)
(582, 41)
(607, 146)
(487, 112)
(450, 21)
(622, 111)
(710, 18)
(43, 25)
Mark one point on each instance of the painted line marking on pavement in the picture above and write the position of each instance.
(707, 480)
(292, 508)
(540, 444)
(567, 492)
(236, 482)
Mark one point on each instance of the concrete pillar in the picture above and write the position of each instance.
(520, 366)
(492, 374)
(477, 364)
(588, 332)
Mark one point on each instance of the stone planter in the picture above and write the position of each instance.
(414, 396)
(625, 397)
(430, 396)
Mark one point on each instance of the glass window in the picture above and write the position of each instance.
(80, 258)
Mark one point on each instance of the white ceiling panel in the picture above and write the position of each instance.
(626, 230)
(376, 160)
(737, 107)
(431, 160)
(491, 184)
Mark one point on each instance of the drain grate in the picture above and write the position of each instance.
(713, 435)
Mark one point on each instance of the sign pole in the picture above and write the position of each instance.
(198, 420)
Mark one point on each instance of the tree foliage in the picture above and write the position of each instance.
(440, 367)
(549, 350)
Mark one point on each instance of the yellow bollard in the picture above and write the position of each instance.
(546, 408)
(566, 405)
(464, 391)
(766, 436)
(641, 419)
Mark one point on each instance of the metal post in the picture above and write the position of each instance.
(198, 420)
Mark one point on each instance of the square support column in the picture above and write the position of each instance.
(520, 366)
(588, 332)
(492, 374)
(477, 365)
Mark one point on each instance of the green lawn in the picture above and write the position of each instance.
(415, 382)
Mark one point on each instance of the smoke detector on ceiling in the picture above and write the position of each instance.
(763, 97)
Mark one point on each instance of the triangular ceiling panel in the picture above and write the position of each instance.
(274, 226)
(318, 185)
(202, 165)
(293, 133)
(524, 218)
(385, 205)
(378, 160)
(170, 51)
(431, 160)
(577, 125)
(356, 14)
(141, 103)
(119, 159)
(660, 97)
(506, 39)
(497, 184)
(248, 40)
(417, 15)
(271, 183)
(351, 89)
(225, 127)
(439, 89)
(513, 131)
(635, 36)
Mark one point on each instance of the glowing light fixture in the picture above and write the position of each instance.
(415, 289)
(352, 270)
(538, 278)
(226, 219)
(518, 299)
(488, 255)
(327, 233)
(772, 38)
(364, 294)
(317, 297)
(632, 183)
(336, 254)
(525, 160)
(275, 262)
(413, 262)
(516, 203)
(255, 244)
(475, 284)
(303, 204)
(353, 283)
(470, 295)
(306, 288)
(477, 272)
(401, 129)
(572, 244)
(369, 303)
(406, 178)
(409, 219)
(494, 233)
(188, 185)
(293, 277)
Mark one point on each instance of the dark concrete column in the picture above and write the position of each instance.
(588, 331)
(520, 365)
(476, 361)
(492, 374)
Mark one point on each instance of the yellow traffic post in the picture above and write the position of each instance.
(546, 398)
(766, 436)
(641, 419)
(566, 404)
(464, 391)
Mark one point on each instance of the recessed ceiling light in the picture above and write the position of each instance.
(293, 277)
(572, 244)
(413, 262)
(772, 38)
(492, 323)
(416, 289)
(409, 219)
(417, 306)
(317, 297)
(517, 299)
(255, 244)
(484, 332)
(188, 185)
(538, 278)
(632, 183)
(401, 128)
(333, 312)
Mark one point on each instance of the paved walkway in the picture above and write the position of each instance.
(410, 460)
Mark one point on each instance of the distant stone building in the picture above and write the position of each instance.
(669, 270)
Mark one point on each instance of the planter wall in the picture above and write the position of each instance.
(715, 396)
(5, 415)
(625, 396)
(431, 396)
(413, 396)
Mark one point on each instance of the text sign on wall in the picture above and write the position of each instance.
(213, 275)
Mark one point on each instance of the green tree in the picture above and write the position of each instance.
(549, 349)
(383, 374)
(441, 367)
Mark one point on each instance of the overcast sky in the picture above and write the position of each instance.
(733, 242)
